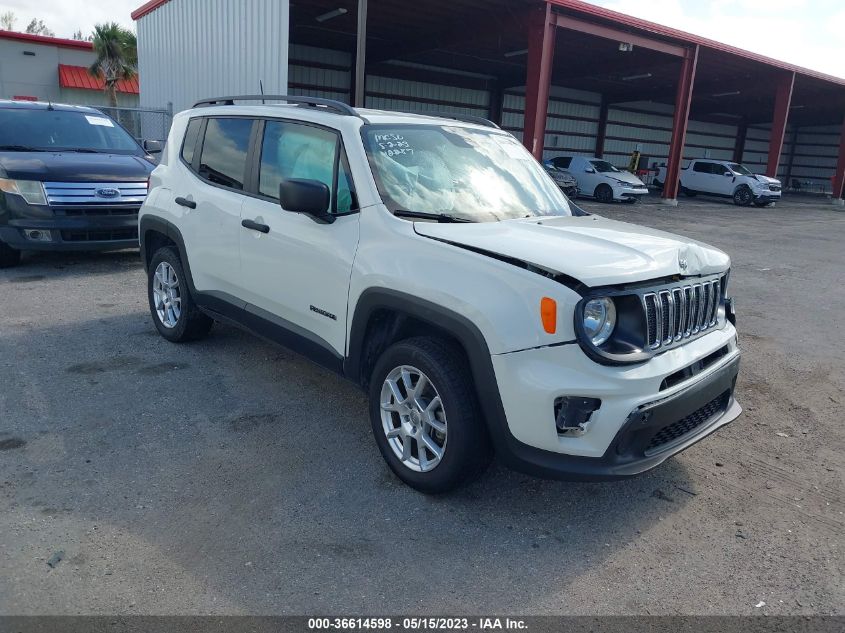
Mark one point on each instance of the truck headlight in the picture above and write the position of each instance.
(30, 190)
(599, 319)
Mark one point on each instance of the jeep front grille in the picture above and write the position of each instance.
(683, 312)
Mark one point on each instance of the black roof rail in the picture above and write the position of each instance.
(467, 118)
(330, 104)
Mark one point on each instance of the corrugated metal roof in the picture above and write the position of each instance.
(78, 77)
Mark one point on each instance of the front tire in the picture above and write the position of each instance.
(177, 318)
(743, 196)
(425, 415)
(604, 193)
(9, 257)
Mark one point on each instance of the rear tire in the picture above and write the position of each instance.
(421, 394)
(604, 193)
(689, 193)
(9, 257)
(175, 315)
(743, 196)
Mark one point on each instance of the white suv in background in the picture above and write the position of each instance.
(728, 180)
(601, 180)
(435, 263)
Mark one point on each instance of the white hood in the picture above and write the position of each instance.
(593, 250)
(767, 180)
(625, 176)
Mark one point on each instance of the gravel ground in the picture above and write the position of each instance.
(231, 476)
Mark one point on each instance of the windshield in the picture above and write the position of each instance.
(739, 169)
(58, 130)
(477, 175)
(603, 167)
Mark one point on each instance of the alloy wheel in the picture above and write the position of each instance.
(413, 418)
(167, 297)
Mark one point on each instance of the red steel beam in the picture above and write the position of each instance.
(683, 99)
(601, 134)
(741, 134)
(783, 100)
(618, 35)
(541, 50)
(839, 176)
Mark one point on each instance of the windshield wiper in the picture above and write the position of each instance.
(20, 148)
(82, 150)
(437, 217)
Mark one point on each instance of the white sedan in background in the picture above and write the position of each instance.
(601, 180)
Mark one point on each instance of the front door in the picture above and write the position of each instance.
(298, 271)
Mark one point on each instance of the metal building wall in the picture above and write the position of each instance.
(814, 160)
(390, 93)
(38, 75)
(320, 72)
(193, 49)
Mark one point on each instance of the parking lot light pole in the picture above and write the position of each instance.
(541, 50)
(683, 99)
(783, 101)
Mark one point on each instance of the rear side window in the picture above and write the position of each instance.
(562, 162)
(224, 150)
(293, 150)
(703, 168)
(190, 143)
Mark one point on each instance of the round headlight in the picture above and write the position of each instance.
(599, 319)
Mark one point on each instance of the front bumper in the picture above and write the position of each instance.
(77, 228)
(767, 196)
(627, 193)
(640, 422)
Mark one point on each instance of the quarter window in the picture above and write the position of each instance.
(224, 150)
(703, 168)
(292, 150)
(190, 142)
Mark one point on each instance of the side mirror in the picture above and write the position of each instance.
(152, 147)
(310, 197)
(590, 170)
(728, 174)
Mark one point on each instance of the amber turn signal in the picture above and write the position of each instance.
(548, 314)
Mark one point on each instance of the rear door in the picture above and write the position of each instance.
(210, 204)
(297, 273)
(700, 177)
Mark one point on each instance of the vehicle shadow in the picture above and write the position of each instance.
(72, 264)
(238, 477)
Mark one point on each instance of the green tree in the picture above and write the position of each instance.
(37, 27)
(7, 21)
(117, 56)
(77, 35)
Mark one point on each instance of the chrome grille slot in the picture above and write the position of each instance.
(675, 314)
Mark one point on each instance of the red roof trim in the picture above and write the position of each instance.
(688, 38)
(78, 77)
(147, 7)
(47, 41)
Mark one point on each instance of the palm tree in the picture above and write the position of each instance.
(117, 57)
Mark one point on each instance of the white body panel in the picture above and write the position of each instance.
(624, 184)
(300, 263)
(719, 178)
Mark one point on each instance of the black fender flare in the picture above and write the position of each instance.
(168, 229)
(458, 326)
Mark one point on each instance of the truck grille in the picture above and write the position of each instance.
(99, 235)
(88, 193)
(774, 187)
(684, 312)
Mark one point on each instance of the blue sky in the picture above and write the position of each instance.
(809, 33)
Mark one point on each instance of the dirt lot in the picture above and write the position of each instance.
(231, 476)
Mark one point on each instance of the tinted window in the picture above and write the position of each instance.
(562, 162)
(60, 130)
(703, 168)
(190, 143)
(292, 150)
(223, 158)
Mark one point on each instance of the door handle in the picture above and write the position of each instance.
(255, 226)
(184, 202)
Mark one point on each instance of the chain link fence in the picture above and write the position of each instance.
(142, 123)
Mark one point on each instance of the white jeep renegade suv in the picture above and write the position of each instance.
(435, 263)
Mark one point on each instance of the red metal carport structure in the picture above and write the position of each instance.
(766, 88)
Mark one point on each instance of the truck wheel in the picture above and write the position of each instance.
(689, 193)
(658, 184)
(762, 204)
(426, 417)
(176, 316)
(604, 193)
(743, 196)
(9, 256)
